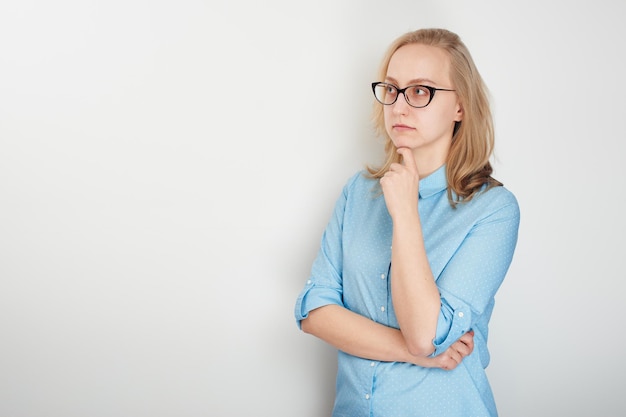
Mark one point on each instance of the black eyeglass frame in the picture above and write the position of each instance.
(402, 90)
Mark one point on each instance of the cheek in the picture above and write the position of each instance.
(444, 117)
(388, 115)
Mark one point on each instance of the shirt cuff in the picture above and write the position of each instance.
(314, 296)
(455, 319)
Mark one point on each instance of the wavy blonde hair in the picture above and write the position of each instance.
(467, 166)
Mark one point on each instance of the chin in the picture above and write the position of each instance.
(402, 144)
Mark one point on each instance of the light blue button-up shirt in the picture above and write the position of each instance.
(469, 249)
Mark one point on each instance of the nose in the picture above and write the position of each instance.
(401, 106)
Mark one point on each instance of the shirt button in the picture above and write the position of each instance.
(308, 282)
(367, 396)
(461, 314)
(382, 308)
(382, 276)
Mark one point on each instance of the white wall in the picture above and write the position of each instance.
(167, 168)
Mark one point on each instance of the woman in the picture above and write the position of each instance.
(404, 282)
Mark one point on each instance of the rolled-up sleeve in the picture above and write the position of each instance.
(455, 319)
(470, 280)
(325, 285)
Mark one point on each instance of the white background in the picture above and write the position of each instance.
(167, 169)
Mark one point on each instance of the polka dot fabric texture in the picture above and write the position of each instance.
(469, 249)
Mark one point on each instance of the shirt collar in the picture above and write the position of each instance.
(434, 183)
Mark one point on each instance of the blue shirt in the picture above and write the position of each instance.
(469, 249)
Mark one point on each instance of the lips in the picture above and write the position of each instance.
(401, 126)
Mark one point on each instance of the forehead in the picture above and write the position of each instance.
(416, 62)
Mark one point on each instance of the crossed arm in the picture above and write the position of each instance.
(414, 292)
(362, 337)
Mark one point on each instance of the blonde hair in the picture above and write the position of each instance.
(467, 166)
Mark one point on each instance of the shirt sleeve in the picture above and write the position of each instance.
(325, 284)
(469, 282)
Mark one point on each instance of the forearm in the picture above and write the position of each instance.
(360, 336)
(415, 296)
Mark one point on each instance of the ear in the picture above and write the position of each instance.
(459, 112)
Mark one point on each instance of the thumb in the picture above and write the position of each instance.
(408, 160)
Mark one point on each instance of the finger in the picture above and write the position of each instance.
(454, 359)
(408, 160)
(459, 347)
(394, 167)
(465, 343)
(453, 356)
(462, 349)
(468, 339)
(447, 363)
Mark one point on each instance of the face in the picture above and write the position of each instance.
(428, 130)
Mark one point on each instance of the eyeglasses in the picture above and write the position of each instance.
(415, 95)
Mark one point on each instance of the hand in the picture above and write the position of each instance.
(400, 185)
(453, 356)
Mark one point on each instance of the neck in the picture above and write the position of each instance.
(428, 162)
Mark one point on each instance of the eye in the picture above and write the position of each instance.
(419, 90)
(390, 89)
(418, 95)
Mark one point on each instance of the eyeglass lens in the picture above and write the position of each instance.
(418, 96)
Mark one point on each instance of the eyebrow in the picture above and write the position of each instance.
(413, 81)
